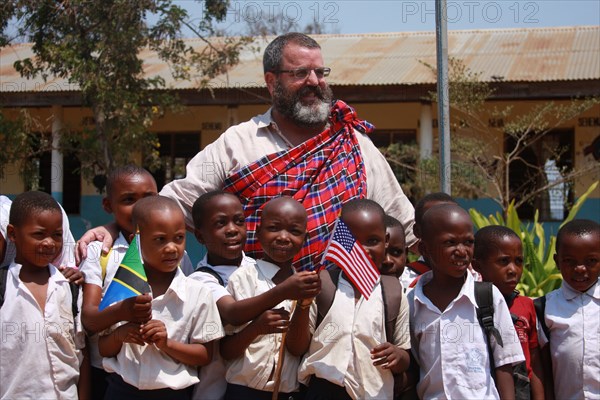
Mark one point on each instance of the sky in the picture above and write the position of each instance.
(371, 16)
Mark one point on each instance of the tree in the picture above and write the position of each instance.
(520, 171)
(96, 45)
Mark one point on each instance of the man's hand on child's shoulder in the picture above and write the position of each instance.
(74, 275)
(155, 332)
(138, 309)
(302, 285)
(388, 356)
(272, 321)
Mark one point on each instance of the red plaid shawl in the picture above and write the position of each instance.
(322, 173)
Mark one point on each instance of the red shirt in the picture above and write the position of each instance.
(526, 326)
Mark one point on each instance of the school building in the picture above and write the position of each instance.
(383, 76)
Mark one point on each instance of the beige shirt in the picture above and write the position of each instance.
(340, 350)
(245, 143)
(190, 316)
(39, 352)
(255, 369)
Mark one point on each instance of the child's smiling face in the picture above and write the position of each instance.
(578, 259)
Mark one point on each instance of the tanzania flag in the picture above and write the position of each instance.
(130, 279)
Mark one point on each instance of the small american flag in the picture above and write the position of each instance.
(349, 255)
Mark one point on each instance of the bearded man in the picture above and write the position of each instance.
(307, 146)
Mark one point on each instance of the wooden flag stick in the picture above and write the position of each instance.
(279, 365)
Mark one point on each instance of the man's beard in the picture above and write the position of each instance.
(306, 115)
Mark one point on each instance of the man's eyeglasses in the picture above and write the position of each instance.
(303, 73)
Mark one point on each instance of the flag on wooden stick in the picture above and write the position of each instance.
(130, 279)
(346, 252)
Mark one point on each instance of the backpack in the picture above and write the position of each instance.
(391, 291)
(212, 272)
(485, 315)
(74, 291)
(540, 311)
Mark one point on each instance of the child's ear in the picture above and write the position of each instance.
(199, 236)
(476, 265)
(387, 239)
(106, 205)
(131, 236)
(10, 232)
(555, 260)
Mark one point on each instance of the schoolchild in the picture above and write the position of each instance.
(395, 250)
(416, 268)
(571, 313)
(498, 257)
(348, 355)
(158, 359)
(253, 350)
(447, 340)
(42, 339)
(220, 225)
(124, 187)
(65, 260)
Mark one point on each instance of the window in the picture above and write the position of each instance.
(176, 150)
(385, 137)
(543, 163)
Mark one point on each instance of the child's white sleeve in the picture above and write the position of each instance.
(511, 352)
(206, 322)
(90, 267)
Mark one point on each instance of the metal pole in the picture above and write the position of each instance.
(441, 36)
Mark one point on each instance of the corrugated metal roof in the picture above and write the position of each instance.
(532, 54)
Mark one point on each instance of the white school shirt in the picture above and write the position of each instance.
(190, 316)
(212, 383)
(249, 141)
(340, 349)
(257, 365)
(450, 346)
(573, 319)
(39, 354)
(92, 271)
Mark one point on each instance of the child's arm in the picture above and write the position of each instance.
(537, 376)
(84, 385)
(546, 361)
(194, 354)
(72, 274)
(110, 345)
(299, 336)
(303, 285)
(390, 357)
(136, 309)
(505, 383)
(270, 321)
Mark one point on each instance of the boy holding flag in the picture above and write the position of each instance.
(159, 358)
(351, 354)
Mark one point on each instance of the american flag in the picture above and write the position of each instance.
(345, 251)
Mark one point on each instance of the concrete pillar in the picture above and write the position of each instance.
(426, 131)
(232, 116)
(56, 175)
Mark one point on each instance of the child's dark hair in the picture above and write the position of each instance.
(125, 170)
(391, 222)
(440, 197)
(28, 203)
(143, 207)
(199, 207)
(577, 227)
(487, 237)
(363, 205)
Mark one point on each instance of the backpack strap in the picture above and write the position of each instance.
(3, 278)
(329, 281)
(419, 267)
(74, 297)
(212, 272)
(485, 310)
(391, 292)
(540, 311)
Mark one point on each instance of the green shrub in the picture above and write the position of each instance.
(540, 275)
